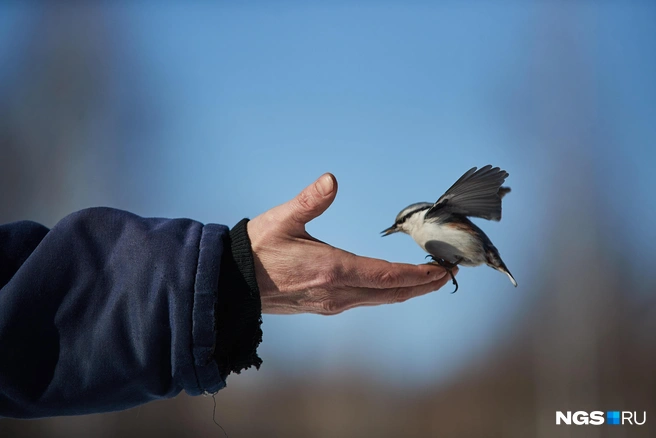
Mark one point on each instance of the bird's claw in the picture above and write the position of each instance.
(448, 266)
(454, 281)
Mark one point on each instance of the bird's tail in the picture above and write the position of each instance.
(507, 272)
(494, 261)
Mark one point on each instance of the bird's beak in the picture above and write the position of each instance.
(389, 231)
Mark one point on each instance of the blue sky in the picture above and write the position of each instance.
(254, 101)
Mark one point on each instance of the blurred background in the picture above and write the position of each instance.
(218, 111)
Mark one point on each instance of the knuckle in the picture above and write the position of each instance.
(305, 200)
(327, 279)
(331, 276)
(390, 279)
(330, 307)
(400, 295)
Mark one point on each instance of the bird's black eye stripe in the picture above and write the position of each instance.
(407, 215)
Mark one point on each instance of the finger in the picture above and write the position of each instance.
(312, 201)
(373, 297)
(380, 274)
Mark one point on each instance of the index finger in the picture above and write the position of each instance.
(381, 274)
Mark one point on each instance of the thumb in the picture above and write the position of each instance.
(312, 201)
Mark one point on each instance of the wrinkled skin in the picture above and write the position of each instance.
(297, 273)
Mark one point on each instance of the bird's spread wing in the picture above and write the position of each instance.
(477, 193)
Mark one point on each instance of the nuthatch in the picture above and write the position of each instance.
(443, 230)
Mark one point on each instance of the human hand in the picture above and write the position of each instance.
(297, 273)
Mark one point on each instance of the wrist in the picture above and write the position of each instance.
(239, 309)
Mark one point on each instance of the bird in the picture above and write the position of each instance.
(443, 229)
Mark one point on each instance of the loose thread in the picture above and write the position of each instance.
(214, 416)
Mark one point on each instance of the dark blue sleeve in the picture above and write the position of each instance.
(105, 311)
